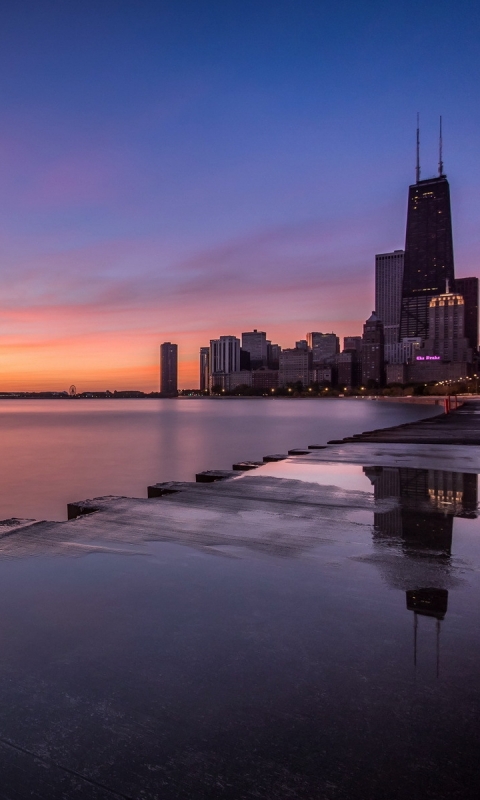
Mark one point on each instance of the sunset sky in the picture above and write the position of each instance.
(183, 169)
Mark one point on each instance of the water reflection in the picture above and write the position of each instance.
(416, 507)
(423, 504)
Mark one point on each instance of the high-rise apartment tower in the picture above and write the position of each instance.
(373, 352)
(204, 368)
(225, 354)
(168, 369)
(388, 292)
(255, 343)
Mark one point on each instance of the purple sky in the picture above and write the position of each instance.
(181, 170)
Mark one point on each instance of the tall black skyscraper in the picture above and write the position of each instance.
(428, 249)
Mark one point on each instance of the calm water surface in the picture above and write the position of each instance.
(55, 452)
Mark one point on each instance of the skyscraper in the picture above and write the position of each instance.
(324, 346)
(168, 369)
(388, 292)
(273, 354)
(447, 340)
(373, 352)
(225, 354)
(204, 368)
(255, 343)
(468, 288)
(428, 249)
(295, 366)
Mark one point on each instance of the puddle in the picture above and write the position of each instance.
(350, 477)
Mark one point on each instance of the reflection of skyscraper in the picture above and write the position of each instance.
(419, 506)
(428, 250)
(428, 602)
(413, 526)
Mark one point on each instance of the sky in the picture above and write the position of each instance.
(178, 170)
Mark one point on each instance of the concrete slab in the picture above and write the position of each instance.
(423, 456)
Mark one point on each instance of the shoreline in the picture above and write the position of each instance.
(416, 399)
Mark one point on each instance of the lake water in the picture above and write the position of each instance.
(56, 452)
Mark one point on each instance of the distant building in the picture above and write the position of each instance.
(255, 343)
(345, 366)
(323, 374)
(445, 354)
(446, 340)
(388, 292)
(468, 288)
(265, 379)
(396, 373)
(403, 352)
(229, 381)
(324, 346)
(295, 365)
(168, 369)
(302, 344)
(204, 368)
(224, 354)
(432, 370)
(373, 351)
(353, 344)
(273, 355)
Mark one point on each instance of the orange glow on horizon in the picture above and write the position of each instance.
(124, 360)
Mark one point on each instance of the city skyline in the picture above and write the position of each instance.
(172, 174)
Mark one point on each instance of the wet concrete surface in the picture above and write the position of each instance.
(461, 427)
(307, 629)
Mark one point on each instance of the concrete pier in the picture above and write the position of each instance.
(460, 427)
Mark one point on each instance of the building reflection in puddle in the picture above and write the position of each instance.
(414, 510)
(424, 505)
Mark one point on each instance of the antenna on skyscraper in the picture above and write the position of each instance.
(440, 151)
(417, 171)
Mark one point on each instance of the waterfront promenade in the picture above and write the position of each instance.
(305, 628)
